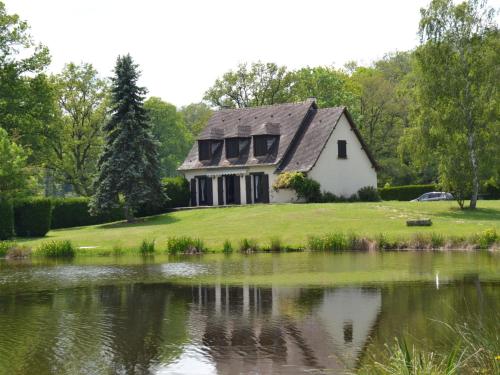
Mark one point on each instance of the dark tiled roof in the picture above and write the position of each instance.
(286, 119)
(304, 131)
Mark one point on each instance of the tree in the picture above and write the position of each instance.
(128, 167)
(26, 102)
(257, 85)
(457, 97)
(76, 137)
(196, 116)
(14, 173)
(328, 85)
(170, 130)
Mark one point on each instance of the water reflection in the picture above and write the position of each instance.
(162, 328)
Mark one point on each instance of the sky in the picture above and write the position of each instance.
(183, 46)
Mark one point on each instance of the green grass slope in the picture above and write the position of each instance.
(292, 223)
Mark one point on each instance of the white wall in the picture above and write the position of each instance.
(343, 176)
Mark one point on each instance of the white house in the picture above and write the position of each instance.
(241, 152)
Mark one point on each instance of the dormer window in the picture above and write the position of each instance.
(204, 150)
(264, 144)
(236, 147)
(207, 148)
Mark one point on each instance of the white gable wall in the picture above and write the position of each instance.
(343, 177)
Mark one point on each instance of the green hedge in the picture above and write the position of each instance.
(405, 193)
(32, 217)
(74, 212)
(177, 190)
(6, 219)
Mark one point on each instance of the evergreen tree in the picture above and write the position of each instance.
(128, 168)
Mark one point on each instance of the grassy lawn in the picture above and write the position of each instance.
(292, 223)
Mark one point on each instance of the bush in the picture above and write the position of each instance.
(32, 217)
(147, 247)
(492, 190)
(368, 194)
(185, 245)
(227, 247)
(305, 187)
(328, 197)
(248, 245)
(329, 242)
(405, 193)
(56, 249)
(487, 238)
(74, 212)
(6, 220)
(177, 190)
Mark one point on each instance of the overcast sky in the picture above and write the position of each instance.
(183, 46)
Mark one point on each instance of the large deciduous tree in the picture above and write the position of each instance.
(196, 116)
(76, 137)
(457, 97)
(170, 130)
(251, 86)
(129, 165)
(26, 102)
(14, 172)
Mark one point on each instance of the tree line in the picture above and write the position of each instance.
(429, 115)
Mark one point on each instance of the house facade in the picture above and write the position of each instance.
(241, 152)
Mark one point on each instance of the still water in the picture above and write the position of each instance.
(262, 313)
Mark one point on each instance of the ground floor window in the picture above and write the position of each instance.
(204, 190)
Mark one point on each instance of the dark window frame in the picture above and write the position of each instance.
(261, 145)
(258, 187)
(203, 193)
(232, 148)
(342, 149)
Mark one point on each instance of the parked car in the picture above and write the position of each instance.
(434, 196)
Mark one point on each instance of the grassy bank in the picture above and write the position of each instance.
(292, 224)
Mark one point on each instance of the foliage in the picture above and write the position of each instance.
(76, 138)
(185, 245)
(170, 131)
(251, 86)
(27, 104)
(196, 116)
(328, 242)
(177, 191)
(456, 97)
(56, 249)
(487, 238)
(248, 245)
(305, 187)
(74, 212)
(404, 193)
(6, 219)
(227, 247)
(14, 173)
(32, 217)
(147, 247)
(5, 246)
(275, 244)
(368, 194)
(129, 165)
(328, 85)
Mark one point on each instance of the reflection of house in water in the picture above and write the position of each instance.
(283, 330)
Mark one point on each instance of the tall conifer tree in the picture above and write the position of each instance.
(128, 168)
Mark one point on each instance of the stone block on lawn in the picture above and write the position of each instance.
(419, 223)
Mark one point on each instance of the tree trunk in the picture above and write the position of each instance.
(475, 177)
(129, 214)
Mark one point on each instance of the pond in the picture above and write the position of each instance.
(260, 313)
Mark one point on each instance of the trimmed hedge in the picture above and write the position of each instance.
(74, 212)
(6, 219)
(177, 190)
(405, 193)
(32, 217)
